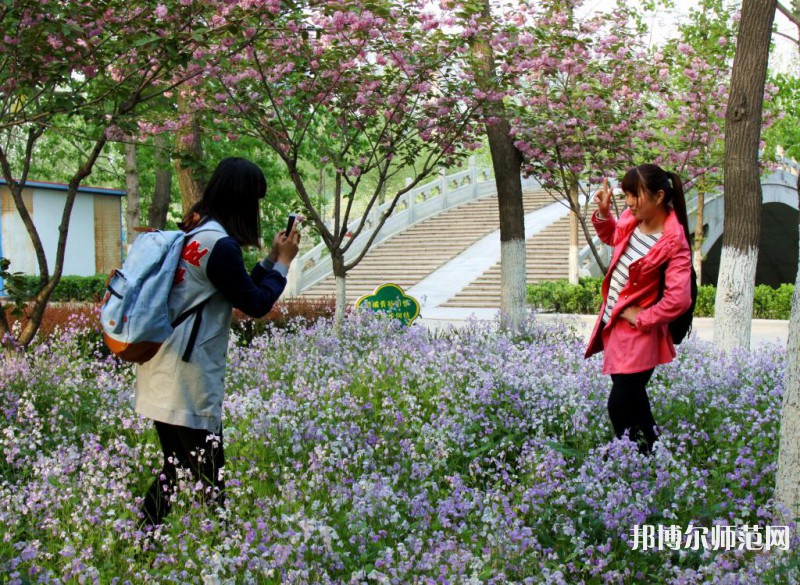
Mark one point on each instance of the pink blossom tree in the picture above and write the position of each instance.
(584, 90)
(482, 22)
(354, 89)
(99, 63)
(592, 97)
(690, 119)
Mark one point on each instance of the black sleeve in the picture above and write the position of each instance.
(253, 294)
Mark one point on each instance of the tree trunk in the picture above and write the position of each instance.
(507, 163)
(574, 269)
(39, 304)
(340, 276)
(584, 226)
(132, 214)
(190, 157)
(787, 481)
(742, 229)
(699, 233)
(157, 216)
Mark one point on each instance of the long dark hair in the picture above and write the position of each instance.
(651, 179)
(231, 198)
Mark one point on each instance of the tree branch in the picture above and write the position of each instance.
(794, 18)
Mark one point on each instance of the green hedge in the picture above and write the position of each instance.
(559, 296)
(586, 298)
(73, 289)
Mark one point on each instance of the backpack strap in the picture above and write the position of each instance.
(196, 310)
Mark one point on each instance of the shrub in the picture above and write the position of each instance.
(85, 317)
(73, 289)
(282, 316)
(706, 296)
(770, 303)
(562, 297)
(586, 298)
(60, 317)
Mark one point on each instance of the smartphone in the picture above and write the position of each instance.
(290, 222)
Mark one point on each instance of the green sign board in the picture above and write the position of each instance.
(390, 299)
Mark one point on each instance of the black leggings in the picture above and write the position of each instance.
(629, 409)
(178, 445)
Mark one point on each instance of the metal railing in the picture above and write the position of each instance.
(440, 194)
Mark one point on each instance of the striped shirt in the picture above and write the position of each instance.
(638, 246)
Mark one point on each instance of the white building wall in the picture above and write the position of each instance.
(16, 243)
(48, 207)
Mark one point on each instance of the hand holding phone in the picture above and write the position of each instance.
(290, 223)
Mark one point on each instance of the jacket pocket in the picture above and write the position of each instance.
(631, 349)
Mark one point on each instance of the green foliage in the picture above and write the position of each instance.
(14, 285)
(771, 303)
(562, 297)
(54, 155)
(80, 289)
(706, 296)
(784, 108)
(586, 299)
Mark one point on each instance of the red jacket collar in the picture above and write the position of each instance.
(672, 237)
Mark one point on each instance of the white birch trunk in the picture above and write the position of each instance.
(573, 249)
(341, 303)
(699, 232)
(513, 291)
(787, 484)
(733, 309)
(787, 480)
(698, 265)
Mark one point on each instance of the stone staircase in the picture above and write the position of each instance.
(545, 259)
(413, 254)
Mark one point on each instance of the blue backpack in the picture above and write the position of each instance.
(135, 314)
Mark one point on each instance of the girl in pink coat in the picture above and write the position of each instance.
(651, 243)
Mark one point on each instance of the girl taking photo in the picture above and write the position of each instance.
(182, 387)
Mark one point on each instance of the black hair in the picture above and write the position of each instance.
(231, 198)
(650, 179)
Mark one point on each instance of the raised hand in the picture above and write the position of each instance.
(603, 199)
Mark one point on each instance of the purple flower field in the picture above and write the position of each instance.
(390, 455)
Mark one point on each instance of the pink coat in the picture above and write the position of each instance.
(628, 349)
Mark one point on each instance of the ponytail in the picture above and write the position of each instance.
(678, 200)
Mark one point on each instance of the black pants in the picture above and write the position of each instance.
(194, 449)
(629, 409)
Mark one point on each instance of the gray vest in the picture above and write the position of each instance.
(189, 393)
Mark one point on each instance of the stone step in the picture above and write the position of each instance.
(407, 258)
(546, 258)
(430, 244)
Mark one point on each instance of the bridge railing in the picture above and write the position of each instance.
(441, 193)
